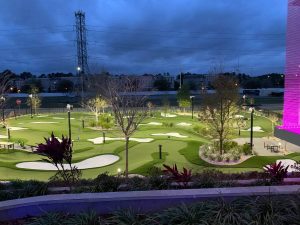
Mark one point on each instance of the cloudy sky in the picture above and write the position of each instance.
(145, 36)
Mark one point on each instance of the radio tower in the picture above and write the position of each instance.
(82, 64)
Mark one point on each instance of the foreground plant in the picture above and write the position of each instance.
(277, 172)
(59, 154)
(183, 177)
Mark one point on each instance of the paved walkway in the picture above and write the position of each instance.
(260, 143)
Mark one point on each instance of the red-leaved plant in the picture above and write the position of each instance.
(59, 153)
(277, 172)
(182, 178)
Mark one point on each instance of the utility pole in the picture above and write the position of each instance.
(82, 58)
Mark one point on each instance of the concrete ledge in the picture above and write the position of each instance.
(144, 201)
(287, 136)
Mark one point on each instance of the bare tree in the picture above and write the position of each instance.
(221, 107)
(96, 105)
(5, 82)
(129, 108)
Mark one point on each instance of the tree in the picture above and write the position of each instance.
(221, 107)
(183, 96)
(31, 84)
(95, 105)
(162, 84)
(240, 123)
(165, 104)
(34, 100)
(5, 81)
(65, 85)
(129, 109)
(274, 118)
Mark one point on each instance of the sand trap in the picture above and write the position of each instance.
(184, 124)
(99, 140)
(3, 136)
(152, 123)
(289, 162)
(170, 134)
(41, 116)
(43, 122)
(238, 116)
(255, 129)
(61, 118)
(17, 128)
(168, 115)
(94, 162)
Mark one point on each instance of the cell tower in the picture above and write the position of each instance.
(82, 58)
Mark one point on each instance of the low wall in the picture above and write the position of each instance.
(142, 201)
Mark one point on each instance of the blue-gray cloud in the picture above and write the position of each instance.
(145, 36)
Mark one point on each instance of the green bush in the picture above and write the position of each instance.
(168, 124)
(246, 149)
(106, 121)
(106, 183)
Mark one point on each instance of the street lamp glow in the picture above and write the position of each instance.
(30, 96)
(78, 68)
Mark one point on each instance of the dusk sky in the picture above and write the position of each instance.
(145, 36)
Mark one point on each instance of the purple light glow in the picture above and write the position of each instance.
(291, 109)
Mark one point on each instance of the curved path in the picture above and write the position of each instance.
(94, 162)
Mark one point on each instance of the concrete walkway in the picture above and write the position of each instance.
(260, 143)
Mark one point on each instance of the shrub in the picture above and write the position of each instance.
(106, 183)
(166, 124)
(156, 180)
(59, 154)
(105, 121)
(180, 177)
(229, 145)
(246, 149)
(277, 172)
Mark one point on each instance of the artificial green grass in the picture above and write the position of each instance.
(142, 156)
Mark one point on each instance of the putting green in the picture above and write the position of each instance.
(142, 156)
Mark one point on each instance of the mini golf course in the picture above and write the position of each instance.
(180, 145)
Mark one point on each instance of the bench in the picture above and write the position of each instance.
(7, 144)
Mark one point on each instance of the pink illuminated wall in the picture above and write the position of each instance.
(291, 115)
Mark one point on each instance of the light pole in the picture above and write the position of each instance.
(30, 96)
(192, 102)
(69, 108)
(82, 85)
(251, 128)
(2, 98)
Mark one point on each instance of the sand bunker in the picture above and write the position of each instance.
(170, 134)
(255, 129)
(43, 122)
(184, 124)
(41, 116)
(238, 116)
(168, 115)
(3, 136)
(94, 162)
(17, 128)
(152, 123)
(99, 140)
(61, 118)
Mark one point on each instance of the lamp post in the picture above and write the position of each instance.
(82, 85)
(251, 128)
(2, 99)
(30, 96)
(69, 108)
(192, 102)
